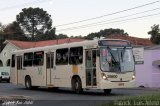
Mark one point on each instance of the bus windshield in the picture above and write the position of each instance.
(116, 59)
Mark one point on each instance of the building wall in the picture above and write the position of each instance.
(143, 76)
(5, 55)
(148, 75)
(155, 69)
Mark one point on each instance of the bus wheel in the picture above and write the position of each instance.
(107, 91)
(77, 85)
(28, 83)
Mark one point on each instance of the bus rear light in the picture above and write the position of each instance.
(104, 76)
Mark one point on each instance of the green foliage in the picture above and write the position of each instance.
(144, 100)
(49, 35)
(13, 31)
(1, 28)
(155, 34)
(61, 36)
(35, 21)
(105, 33)
(80, 37)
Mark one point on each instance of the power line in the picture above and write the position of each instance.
(108, 14)
(125, 16)
(79, 27)
(119, 17)
(22, 5)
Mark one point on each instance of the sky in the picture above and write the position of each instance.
(100, 14)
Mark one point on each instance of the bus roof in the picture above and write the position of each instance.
(73, 44)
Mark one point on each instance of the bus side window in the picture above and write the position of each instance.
(13, 61)
(76, 55)
(38, 58)
(62, 56)
(28, 59)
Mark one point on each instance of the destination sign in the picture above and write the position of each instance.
(113, 43)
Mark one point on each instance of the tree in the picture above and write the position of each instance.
(1, 28)
(105, 33)
(13, 31)
(155, 34)
(1, 37)
(34, 21)
(61, 36)
(48, 36)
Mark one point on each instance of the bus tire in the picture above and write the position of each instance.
(77, 85)
(28, 83)
(0, 79)
(107, 91)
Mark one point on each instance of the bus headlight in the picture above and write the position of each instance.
(104, 76)
(133, 77)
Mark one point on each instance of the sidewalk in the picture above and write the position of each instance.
(143, 88)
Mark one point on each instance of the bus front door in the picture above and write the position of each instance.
(90, 67)
(49, 68)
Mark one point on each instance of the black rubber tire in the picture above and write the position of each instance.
(107, 91)
(0, 79)
(77, 85)
(8, 80)
(54, 89)
(28, 83)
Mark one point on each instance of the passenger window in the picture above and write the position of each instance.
(76, 55)
(28, 59)
(62, 56)
(38, 58)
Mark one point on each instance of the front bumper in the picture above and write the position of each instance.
(104, 84)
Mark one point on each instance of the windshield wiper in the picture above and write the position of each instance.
(111, 54)
(122, 53)
(114, 60)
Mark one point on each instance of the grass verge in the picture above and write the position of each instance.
(145, 100)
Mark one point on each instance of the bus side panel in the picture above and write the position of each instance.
(13, 75)
(62, 76)
(37, 75)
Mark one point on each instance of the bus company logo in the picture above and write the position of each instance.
(112, 76)
(39, 71)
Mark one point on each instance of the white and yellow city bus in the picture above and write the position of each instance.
(96, 64)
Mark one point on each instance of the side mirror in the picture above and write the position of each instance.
(134, 58)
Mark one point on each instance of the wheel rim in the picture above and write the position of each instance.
(27, 84)
(76, 85)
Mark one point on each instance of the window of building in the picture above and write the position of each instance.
(38, 58)
(62, 56)
(76, 55)
(28, 59)
(8, 62)
(1, 64)
(13, 61)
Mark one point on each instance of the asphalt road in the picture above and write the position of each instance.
(65, 97)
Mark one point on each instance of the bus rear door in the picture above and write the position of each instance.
(49, 68)
(20, 79)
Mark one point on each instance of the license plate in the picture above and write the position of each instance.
(120, 84)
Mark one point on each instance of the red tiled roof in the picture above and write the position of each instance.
(26, 44)
(133, 40)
